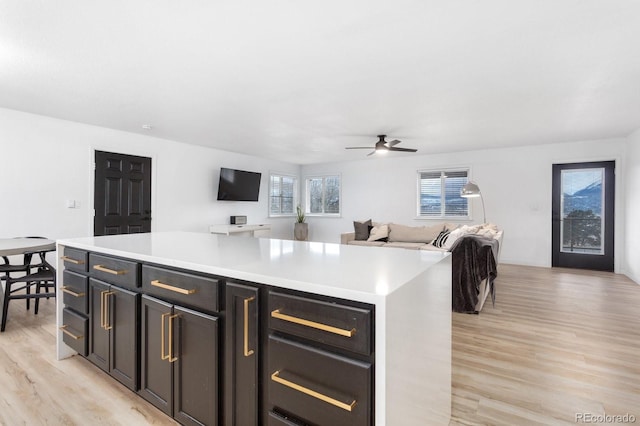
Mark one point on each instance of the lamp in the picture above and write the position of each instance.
(471, 190)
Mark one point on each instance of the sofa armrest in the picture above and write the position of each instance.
(346, 237)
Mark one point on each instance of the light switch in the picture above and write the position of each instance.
(71, 204)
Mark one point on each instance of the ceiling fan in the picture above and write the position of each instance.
(382, 146)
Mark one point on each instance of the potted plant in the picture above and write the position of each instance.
(300, 229)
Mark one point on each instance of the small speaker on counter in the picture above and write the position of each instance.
(238, 220)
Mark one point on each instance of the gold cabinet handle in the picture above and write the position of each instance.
(162, 355)
(171, 357)
(104, 309)
(324, 327)
(276, 378)
(157, 283)
(68, 290)
(109, 271)
(247, 352)
(68, 333)
(169, 354)
(72, 260)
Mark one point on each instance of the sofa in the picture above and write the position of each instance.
(475, 250)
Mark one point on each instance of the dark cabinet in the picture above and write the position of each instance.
(242, 355)
(179, 370)
(114, 331)
(75, 314)
(320, 363)
(288, 358)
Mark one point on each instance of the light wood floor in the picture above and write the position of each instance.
(557, 343)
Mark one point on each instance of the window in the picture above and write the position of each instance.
(323, 195)
(439, 194)
(283, 195)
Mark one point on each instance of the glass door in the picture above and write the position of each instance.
(583, 215)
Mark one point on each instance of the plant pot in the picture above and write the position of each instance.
(301, 231)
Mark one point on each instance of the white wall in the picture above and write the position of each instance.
(515, 183)
(632, 208)
(46, 161)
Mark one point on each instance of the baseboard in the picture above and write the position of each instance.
(632, 277)
(524, 263)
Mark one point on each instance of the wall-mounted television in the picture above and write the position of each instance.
(238, 185)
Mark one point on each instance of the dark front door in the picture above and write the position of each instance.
(122, 199)
(583, 215)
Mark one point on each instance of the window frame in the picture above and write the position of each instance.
(307, 195)
(296, 191)
(443, 216)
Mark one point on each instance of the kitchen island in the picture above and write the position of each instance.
(276, 332)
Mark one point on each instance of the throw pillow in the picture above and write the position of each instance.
(379, 233)
(453, 237)
(441, 239)
(362, 229)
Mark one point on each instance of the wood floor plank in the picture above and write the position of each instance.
(558, 342)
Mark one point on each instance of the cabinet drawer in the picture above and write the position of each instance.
(75, 291)
(180, 287)
(321, 387)
(124, 273)
(75, 259)
(74, 331)
(330, 323)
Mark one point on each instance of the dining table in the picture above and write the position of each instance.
(17, 246)
(20, 246)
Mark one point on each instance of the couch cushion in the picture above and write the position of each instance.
(414, 234)
(378, 233)
(366, 243)
(411, 246)
(362, 229)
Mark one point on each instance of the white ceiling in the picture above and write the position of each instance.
(298, 81)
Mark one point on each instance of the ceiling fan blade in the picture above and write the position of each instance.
(403, 149)
(371, 153)
(358, 147)
(393, 142)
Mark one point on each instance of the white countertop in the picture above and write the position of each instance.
(366, 274)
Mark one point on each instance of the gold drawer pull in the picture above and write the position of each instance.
(157, 283)
(247, 351)
(319, 326)
(68, 290)
(68, 333)
(72, 260)
(276, 378)
(109, 271)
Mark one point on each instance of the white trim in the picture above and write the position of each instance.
(296, 193)
(466, 218)
(307, 202)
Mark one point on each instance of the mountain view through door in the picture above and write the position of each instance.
(583, 215)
